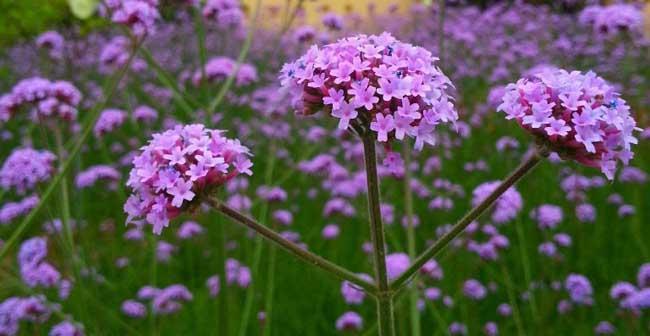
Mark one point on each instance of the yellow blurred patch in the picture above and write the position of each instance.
(314, 9)
(646, 20)
(83, 9)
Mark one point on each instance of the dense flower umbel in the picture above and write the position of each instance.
(49, 98)
(26, 167)
(390, 87)
(577, 115)
(177, 167)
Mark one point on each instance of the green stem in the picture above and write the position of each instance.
(384, 297)
(526, 266)
(81, 139)
(513, 302)
(154, 279)
(240, 59)
(258, 245)
(290, 247)
(268, 308)
(65, 195)
(475, 213)
(221, 262)
(410, 237)
(169, 82)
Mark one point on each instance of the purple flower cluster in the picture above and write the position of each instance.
(349, 321)
(220, 68)
(548, 216)
(332, 21)
(577, 115)
(179, 166)
(144, 113)
(52, 42)
(612, 19)
(34, 270)
(352, 294)
(227, 13)
(66, 328)
(48, 98)
(12, 210)
(631, 297)
(236, 273)
(108, 121)
(134, 309)
(25, 168)
(579, 289)
(474, 289)
(507, 205)
(139, 15)
(164, 301)
(90, 176)
(114, 54)
(13, 310)
(393, 88)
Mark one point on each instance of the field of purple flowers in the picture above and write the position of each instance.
(208, 168)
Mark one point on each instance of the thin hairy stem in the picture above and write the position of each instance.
(475, 213)
(384, 299)
(290, 247)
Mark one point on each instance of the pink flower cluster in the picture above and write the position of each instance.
(49, 99)
(177, 167)
(613, 18)
(577, 115)
(220, 68)
(390, 87)
(139, 15)
(25, 168)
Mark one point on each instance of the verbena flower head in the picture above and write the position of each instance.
(25, 168)
(507, 206)
(90, 176)
(66, 328)
(577, 115)
(139, 15)
(219, 68)
(579, 289)
(612, 19)
(349, 321)
(376, 82)
(12, 210)
(52, 42)
(227, 13)
(179, 166)
(109, 120)
(48, 99)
